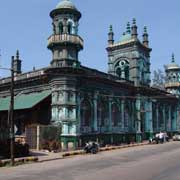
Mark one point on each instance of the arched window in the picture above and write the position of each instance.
(70, 28)
(126, 115)
(86, 113)
(127, 72)
(60, 28)
(122, 69)
(115, 115)
(161, 116)
(102, 113)
(118, 72)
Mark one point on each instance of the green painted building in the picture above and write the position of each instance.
(111, 108)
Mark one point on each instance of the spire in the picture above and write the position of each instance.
(134, 33)
(128, 28)
(110, 28)
(111, 36)
(145, 37)
(17, 54)
(173, 59)
(17, 64)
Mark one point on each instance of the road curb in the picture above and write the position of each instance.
(81, 152)
(65, 155)
(17, 161)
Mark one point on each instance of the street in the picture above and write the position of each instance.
(150, 162)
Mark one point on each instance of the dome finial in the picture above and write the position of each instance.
(110, 28)
(173, 59)
(17, 54)
(145, 29)
(134, 21)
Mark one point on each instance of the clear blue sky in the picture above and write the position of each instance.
(26, 25)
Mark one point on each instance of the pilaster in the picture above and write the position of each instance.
(110, 114)
(95, 125)
(138, 119)
(164, 118)
(122, 113)
(157, 116)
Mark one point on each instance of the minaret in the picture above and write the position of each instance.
(111, 36)
(172, 83)
(17, 64)
(65, 43)
(145, 37)
(134, 33)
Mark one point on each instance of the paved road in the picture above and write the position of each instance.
(151, 162)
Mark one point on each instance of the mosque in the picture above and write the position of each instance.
(112, 108)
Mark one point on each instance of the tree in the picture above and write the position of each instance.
(158, 79)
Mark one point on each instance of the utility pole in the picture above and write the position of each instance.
(11, 113)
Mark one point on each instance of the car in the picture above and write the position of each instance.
(176, 137)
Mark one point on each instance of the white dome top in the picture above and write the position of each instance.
(172, 65)
(66, 4)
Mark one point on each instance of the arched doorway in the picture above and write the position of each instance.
(102, 113)
(86, 113)
(115, 115)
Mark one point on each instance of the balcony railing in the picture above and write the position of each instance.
(65, 38)
(172, 84)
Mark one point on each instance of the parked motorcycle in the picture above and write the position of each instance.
(91, 147)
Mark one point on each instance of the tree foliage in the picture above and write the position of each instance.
(158, 79)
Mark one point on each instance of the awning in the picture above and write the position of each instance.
(24, 101)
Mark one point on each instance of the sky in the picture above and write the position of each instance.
(26, 25)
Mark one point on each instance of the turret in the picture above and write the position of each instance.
(134, 33)
(172, 83)
(65, 43)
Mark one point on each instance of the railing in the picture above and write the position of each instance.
(23, 76)
(65, 38)
(172, 84)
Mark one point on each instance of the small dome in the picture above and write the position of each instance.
(172, 65)
(66, 4)
(125, 37)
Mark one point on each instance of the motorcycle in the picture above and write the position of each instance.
(91, 147)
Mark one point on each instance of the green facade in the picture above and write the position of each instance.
(111, 108)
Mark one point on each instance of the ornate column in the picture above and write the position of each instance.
(110, 114)
(169, 120)
(95, 126)
(174, 119)
(78, 126)
(149, 121)
(122, 113)
(164, 118)
(157, 117)
(138, 119)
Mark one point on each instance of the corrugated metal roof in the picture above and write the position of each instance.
(24, 101)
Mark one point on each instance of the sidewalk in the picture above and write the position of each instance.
(49, 156)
